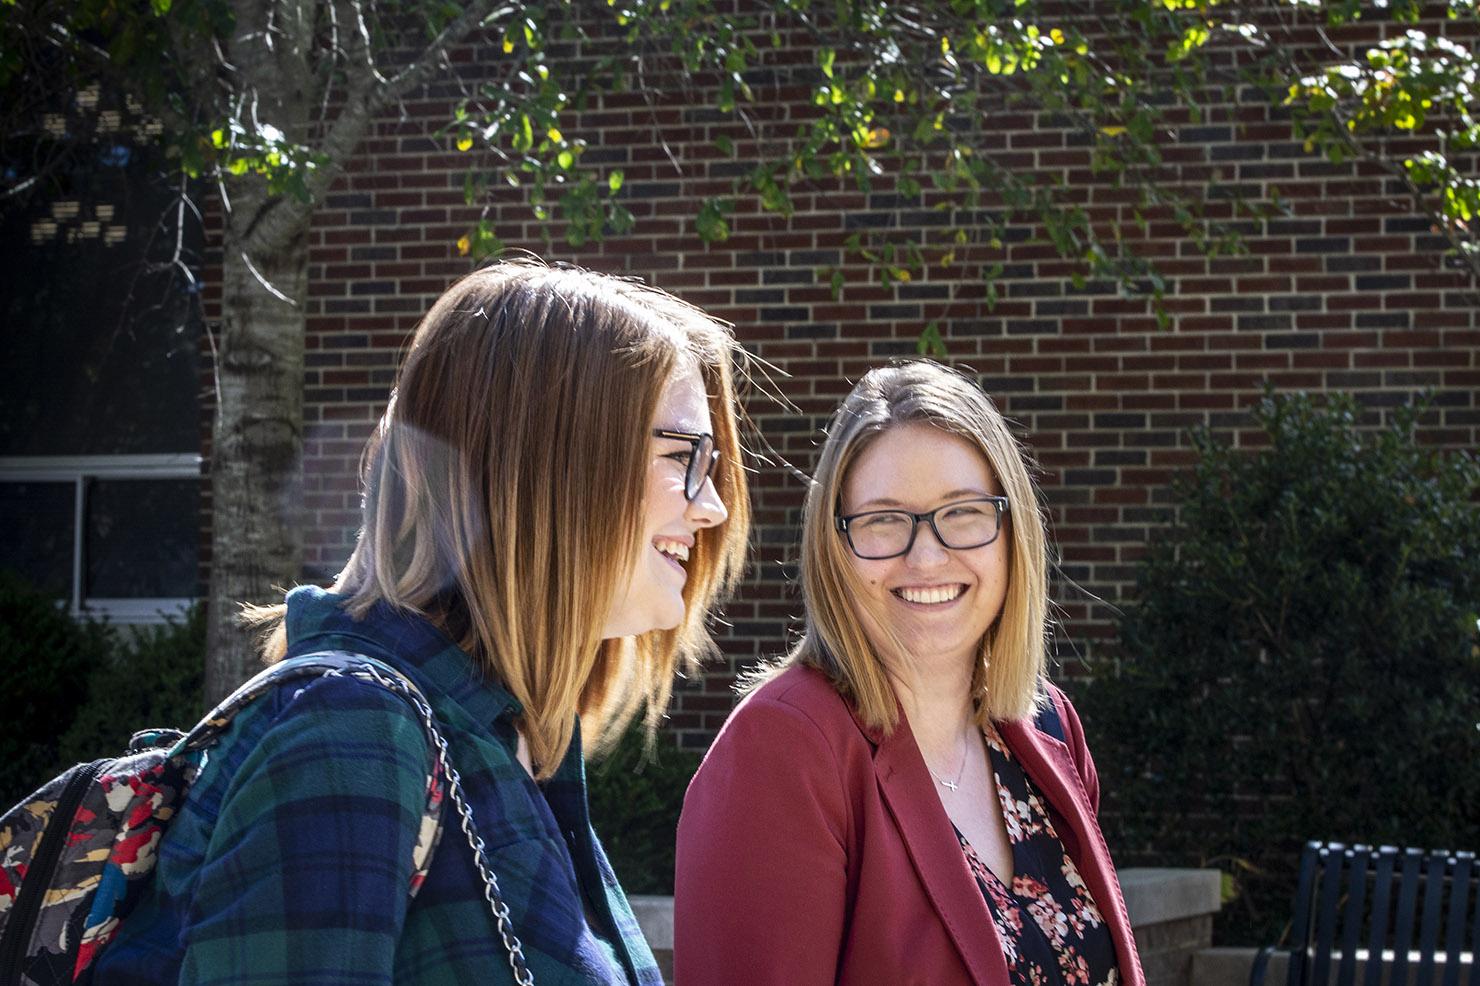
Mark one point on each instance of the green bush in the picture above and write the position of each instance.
(155, 678)
(81, 688)
(1300, 659)
(46, 658)
(635, 801)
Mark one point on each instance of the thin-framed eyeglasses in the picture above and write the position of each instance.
(698, 461)
(960, 524)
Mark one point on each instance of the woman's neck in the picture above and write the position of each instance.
(521, 753)
(936, 697)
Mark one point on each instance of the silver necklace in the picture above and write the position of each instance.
(951, 785)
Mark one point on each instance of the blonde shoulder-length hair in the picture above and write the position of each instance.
(504, 489)
(1006, 680)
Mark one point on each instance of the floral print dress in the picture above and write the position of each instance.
(1052, 932)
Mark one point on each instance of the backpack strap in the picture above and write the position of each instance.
(315, 665)
(442, 776)
(331, 663)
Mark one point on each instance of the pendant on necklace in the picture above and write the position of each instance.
(948, 784)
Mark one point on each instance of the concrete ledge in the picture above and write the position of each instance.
(1156, 896)
(1230, 967)
(654, 915)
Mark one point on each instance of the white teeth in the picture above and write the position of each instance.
(933, 594)
(674, 549)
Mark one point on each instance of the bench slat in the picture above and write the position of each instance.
(1382, 891)
(1300, 931)
(1332, 858)
(1407, 908)
(1459, 903)
(1433, 909)
(1360, 858)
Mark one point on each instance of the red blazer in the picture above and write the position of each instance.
(812, 850)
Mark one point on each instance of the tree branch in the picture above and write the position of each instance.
(364, 99)
(424, 64)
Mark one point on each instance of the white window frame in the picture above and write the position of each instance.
(77, 470)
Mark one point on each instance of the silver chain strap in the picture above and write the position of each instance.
(491, 892)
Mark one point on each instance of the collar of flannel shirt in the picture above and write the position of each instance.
(317, 620)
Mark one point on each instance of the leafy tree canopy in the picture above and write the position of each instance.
(898, 92)
(269, 101)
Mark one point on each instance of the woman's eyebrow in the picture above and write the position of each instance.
(889, 502)
(687, 427)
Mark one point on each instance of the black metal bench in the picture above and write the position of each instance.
(1355, 902)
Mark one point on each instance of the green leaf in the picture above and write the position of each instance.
(619, 218)
(614, 181)
(930, 342)
(711, 224)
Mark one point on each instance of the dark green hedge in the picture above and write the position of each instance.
(635, 799)
(156, 678)
(1300, 659)
(81, 688)
(46, 659)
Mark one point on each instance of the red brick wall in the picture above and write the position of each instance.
(1345, 293)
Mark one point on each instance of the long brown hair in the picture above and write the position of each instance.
(504, 490)
(1012, 656)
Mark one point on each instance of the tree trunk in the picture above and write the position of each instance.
(257, 449)
(257, 443)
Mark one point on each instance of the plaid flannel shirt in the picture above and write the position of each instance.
(291, 860)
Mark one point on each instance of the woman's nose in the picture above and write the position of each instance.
(706, 509)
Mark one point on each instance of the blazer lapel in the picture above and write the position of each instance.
(1050, 766)
(931, 842)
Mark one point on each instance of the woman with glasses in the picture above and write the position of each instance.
(906, 798)
(552, 502)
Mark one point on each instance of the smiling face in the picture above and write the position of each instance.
(937, 601)
(650, 595)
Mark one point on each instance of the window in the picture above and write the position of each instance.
(114, 535)
(100, 416)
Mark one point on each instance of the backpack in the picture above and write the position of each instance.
(76, 856)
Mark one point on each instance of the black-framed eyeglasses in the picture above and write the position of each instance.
(698, 461)
(961, 524)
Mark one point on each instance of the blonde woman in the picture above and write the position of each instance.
(907, 799)
(552, 501)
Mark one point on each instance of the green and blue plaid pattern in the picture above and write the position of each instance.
(291, 861)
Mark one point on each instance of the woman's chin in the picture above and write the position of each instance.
(672, 621)
(669, 619)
